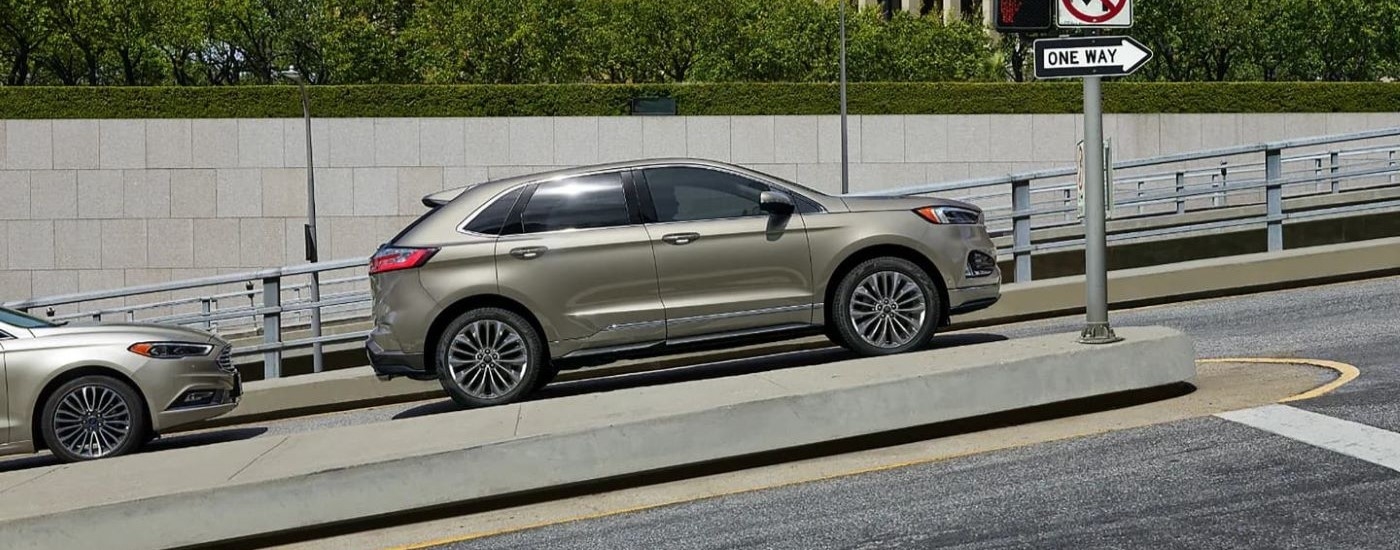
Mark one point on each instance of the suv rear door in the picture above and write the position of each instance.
(578, 256)
(723, 264)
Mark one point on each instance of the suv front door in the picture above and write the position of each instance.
(574, 251)
(723, 264)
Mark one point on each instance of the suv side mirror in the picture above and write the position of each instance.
(776, 202)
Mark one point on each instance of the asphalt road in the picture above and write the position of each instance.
(1201, 483)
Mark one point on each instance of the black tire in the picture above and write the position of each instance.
(898, 271)
(494, 369)
(114, 404)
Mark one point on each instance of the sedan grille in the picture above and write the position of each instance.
(226, 359)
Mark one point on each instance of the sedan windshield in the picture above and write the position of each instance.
(17, 319)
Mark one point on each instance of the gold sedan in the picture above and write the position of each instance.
(87, 392)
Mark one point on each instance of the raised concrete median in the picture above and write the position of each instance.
(240, 489)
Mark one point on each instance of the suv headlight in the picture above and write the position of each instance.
(170, 350)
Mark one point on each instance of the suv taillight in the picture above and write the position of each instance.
(397, 258)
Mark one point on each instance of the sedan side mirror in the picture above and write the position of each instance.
(776, 202)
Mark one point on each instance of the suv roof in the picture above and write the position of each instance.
(443, 197)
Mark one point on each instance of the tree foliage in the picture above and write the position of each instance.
(230, 42)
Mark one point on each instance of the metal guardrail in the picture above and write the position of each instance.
(1178, 189)
(267, 305)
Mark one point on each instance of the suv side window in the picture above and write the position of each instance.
(489, 220)
(688, 193)
(583, 202)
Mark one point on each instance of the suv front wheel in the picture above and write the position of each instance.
(885, 306)
(489, 356)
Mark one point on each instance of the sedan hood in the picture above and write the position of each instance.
(876, 204)
(134, 331)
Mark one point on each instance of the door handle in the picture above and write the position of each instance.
(681, 238)
(528, 252)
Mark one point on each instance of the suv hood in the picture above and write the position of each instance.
(876, 204)
(134, 331)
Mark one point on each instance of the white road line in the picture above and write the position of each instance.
(1356, 440)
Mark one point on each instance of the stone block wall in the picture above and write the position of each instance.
(96, 204)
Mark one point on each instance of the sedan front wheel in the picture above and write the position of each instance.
(93, 417)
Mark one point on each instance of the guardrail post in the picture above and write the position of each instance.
(1180, 186)
(1021, 228)
(205, 307)
(1273, 171)
(1218, 198)
(1391, 155)
(1317, 172)
(272, 326)
(1334, 163)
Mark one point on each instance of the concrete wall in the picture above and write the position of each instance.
(89, 205)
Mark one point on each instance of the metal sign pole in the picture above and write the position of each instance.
(845, 154)
(1096, 328)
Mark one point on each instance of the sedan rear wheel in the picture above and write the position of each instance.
(93, 417)
(884, 306)
(489, 356)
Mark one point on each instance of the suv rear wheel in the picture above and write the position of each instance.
(884, 306)
(489, 356)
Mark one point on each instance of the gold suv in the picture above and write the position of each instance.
(502, 284)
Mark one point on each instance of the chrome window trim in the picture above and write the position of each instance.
(518, 236)
(462, 227)
(5, 336)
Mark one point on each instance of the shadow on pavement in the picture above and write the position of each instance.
(703, 371)
(181, 441)
(196, 439)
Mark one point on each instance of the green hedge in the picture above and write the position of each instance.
(691, 99)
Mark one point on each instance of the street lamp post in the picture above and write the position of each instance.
(317, 357)
(845, 152)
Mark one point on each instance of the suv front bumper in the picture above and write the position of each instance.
(388, 365)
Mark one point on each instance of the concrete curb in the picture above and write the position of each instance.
(316, 478)
(357, 387)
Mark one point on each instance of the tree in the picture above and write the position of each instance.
(497, 41)
(24, 27)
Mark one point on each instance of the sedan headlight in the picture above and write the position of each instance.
(170, 350)
(950, 215)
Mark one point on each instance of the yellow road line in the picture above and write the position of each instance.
(1347, 374)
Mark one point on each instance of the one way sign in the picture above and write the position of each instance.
(1090, 56)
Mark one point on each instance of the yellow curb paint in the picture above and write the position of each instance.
(1347, 374)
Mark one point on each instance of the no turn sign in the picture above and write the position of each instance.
(1095, 13)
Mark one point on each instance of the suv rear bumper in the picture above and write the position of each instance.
(388, 365)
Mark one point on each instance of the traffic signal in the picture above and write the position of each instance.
(1024, 15)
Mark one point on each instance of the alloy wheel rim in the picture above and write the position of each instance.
(888, 309)
(487, 359)
(92, 421)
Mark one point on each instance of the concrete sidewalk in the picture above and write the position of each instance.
(239, 489)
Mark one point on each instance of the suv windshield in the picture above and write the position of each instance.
(17, 319)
